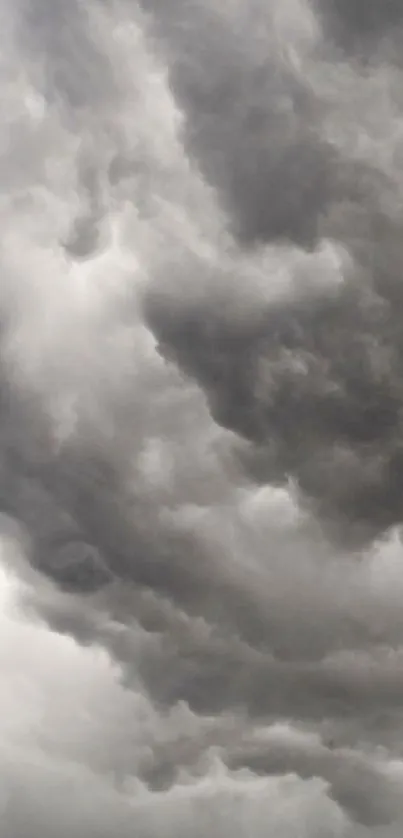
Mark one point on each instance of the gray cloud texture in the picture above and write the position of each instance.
(200, 428)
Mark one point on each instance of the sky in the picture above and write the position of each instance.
(201, 419)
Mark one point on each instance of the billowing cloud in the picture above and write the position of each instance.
(200, 425)
(312, 380)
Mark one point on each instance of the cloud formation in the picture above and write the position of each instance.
(200, 426)
(312, 380)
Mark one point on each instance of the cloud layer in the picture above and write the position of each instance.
(201, 415)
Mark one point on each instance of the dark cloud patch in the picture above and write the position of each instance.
(254, 122)
(251, 123)
(212, 676)
(360, 26)
(252, 130)
(313, 383)
(316, 387)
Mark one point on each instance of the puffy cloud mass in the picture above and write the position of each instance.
(201, 458)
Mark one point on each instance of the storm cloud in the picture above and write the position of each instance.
(201, 486)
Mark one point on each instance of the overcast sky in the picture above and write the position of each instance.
(201, 419)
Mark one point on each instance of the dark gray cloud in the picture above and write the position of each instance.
(360, 27)
(314, 381)
(200, 455)
(251, 123)
(323, 372)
